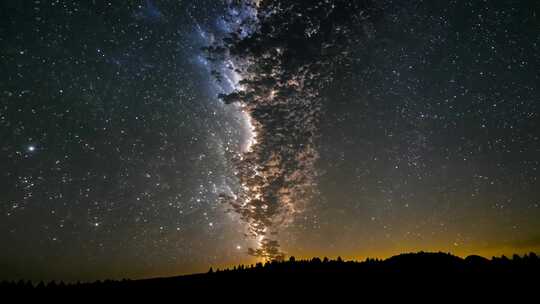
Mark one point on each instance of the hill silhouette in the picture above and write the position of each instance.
(411, 271)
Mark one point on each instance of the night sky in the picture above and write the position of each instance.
(119, 159)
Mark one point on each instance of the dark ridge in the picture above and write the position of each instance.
(433, 271)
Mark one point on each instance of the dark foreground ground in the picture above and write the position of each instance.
(439, 275)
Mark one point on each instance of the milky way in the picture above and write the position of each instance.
(276, 170)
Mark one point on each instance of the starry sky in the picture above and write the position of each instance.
(119, 159)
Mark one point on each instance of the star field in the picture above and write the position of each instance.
(115, 140)
(122, 155)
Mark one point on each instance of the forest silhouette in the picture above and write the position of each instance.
(411, 271)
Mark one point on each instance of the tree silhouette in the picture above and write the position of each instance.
(438, 269)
